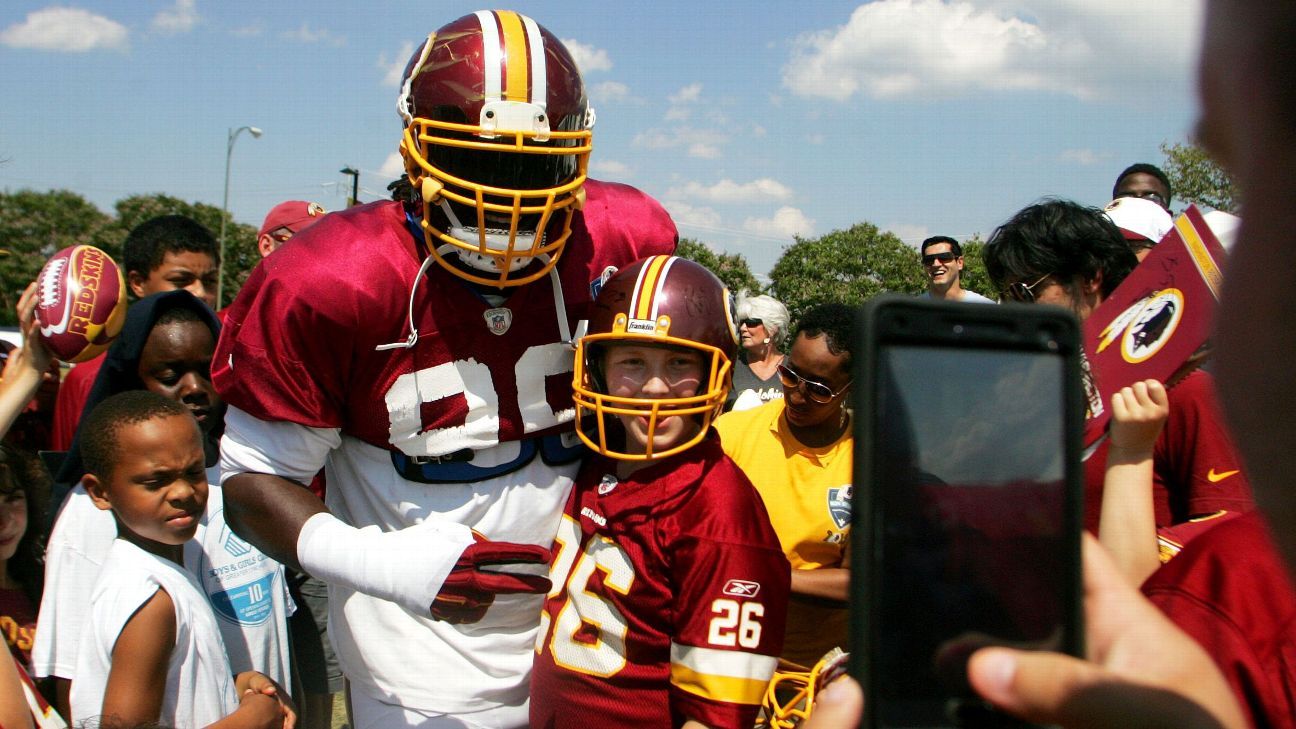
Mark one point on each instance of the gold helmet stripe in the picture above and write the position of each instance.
(651, 278)
(517, 81)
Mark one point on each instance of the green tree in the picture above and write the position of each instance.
(847, 266)
(35, 226)
(1197, 178)
(731, 268)
(974, 276)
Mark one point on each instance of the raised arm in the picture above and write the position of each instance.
(1127, 525)
(26, 366)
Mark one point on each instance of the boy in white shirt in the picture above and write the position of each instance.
(151, 650)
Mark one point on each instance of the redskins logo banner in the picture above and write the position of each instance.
(1156, 320)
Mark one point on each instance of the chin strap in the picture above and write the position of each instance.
(413, 337)
(560, 308)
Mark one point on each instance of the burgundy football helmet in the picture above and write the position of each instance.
(497, 142)
(659, 300)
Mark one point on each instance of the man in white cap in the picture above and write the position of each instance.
(1143, 222)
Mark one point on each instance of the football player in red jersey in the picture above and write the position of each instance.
(422, 350)
(670, 587)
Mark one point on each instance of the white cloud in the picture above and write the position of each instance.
(248, 31)
(392, 167)
(686, 214)
(610, 91)
(1082, 157)
(785, 223)
(702, 150)
(69, 30)
(611, 168)
(178, 19)
(945, 48)
(912, 235)
(700, 143)
(306, 34)
(587, 57)
(680, 109)
(687, 95)
(729, 192)
(394, 68)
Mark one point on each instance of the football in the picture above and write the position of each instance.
(81, 303)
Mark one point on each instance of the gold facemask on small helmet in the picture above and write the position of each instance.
(661, 300)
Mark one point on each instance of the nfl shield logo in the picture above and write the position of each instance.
(498, 320)
(839, 505)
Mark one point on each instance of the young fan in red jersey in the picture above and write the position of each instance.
(669, 585)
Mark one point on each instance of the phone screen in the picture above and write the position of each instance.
(972, 541)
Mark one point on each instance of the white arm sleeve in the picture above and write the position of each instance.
(406, 567)
(279, 448)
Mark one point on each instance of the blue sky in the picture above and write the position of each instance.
(751, 121)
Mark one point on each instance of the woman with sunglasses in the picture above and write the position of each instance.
(762, 326)
(797, 452)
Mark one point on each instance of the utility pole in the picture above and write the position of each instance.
(355, 185)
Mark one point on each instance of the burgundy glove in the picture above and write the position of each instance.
(469, 590)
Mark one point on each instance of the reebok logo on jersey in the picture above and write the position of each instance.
(1217, 477)
(741, 588)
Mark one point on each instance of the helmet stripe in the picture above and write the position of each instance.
(515, 56)
(661, 282)
(539, 74)
(650, 278)
(493, 59)
(633, 309)
(403, 100)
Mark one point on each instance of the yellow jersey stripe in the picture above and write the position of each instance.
(517, 82)
(718, 688)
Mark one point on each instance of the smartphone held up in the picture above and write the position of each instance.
(967, 509)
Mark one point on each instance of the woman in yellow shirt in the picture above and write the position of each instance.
(798, 453)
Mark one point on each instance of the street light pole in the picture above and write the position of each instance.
(229, 152)
(355, 184)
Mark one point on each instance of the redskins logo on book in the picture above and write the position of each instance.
(1154, 323)
(1145, 327)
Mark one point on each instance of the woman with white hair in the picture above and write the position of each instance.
(762, 326)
